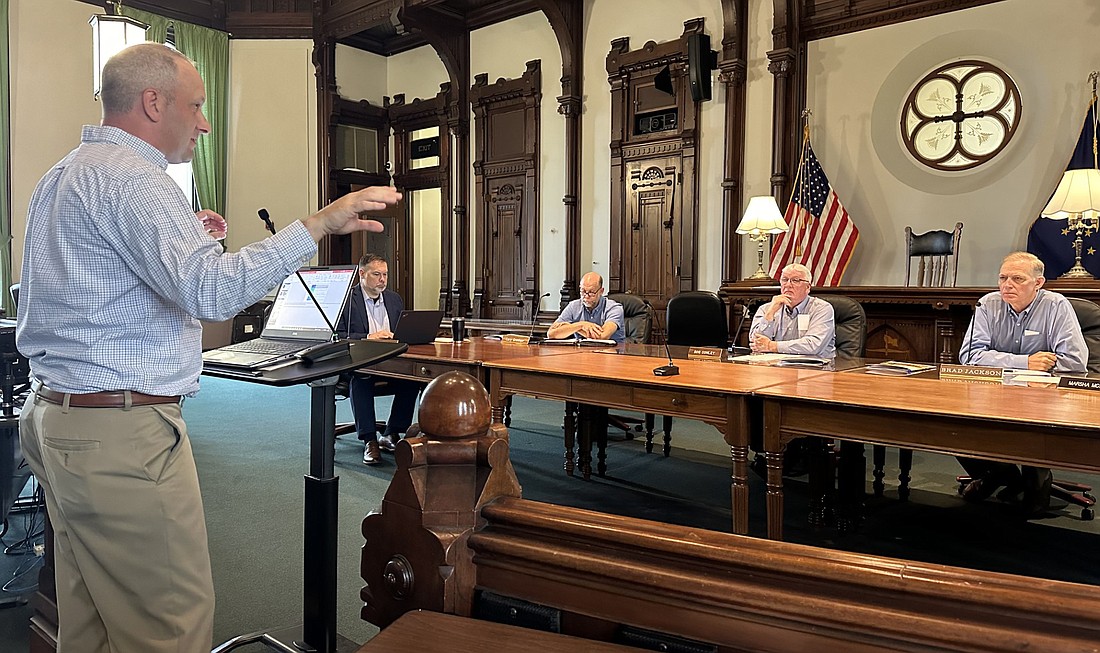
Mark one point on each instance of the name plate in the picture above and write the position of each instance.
(971, 373)
(705, 353)
(515, 339)
(1078, 383)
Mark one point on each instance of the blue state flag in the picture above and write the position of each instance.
(1052, 240)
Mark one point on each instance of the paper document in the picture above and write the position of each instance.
(899, 368)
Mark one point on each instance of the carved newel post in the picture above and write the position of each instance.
(453, 462)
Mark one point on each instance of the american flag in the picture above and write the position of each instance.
(821, 236)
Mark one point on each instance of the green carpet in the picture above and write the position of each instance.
(251, 446)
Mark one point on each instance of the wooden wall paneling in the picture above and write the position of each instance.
(653, 172)
(405, 119)
(450, 39)
(270, 19)
(506, 163)
(567, 20)
(732, 67)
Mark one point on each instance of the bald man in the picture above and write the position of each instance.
(591, 316)
(117, 272)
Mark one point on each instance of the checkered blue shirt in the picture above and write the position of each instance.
(117, 271)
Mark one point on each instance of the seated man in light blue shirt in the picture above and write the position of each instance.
(1021, 326)
(793, 322)
(591, 316)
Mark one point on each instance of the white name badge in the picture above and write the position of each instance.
(803, 322)
(1029, 332)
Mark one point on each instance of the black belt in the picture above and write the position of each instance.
(105, 399)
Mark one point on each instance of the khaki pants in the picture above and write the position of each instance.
(131, 556)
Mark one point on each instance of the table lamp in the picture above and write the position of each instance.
(762, 217)
(1077, 199)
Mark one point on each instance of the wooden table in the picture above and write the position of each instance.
(1047, 427)
(712, 392)
(435, 632)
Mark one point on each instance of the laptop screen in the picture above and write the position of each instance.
(294, 315)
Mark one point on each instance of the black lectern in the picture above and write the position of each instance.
(318, 631)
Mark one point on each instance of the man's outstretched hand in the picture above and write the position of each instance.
(344, 216)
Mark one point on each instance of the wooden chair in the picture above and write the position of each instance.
(936, 257)
(936, 253)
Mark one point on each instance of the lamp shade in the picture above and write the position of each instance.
(762, 216)
(111, 34)
(1077, 192)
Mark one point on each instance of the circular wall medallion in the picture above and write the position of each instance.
(960, 115)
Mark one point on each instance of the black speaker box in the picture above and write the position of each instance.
(701, 61)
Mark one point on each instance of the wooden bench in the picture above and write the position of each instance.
(453, 527)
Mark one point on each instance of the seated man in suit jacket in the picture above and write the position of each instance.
(372, 312)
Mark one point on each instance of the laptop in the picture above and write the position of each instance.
(417, 327)
(295, 323)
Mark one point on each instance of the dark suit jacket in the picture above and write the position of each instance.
(353, 321)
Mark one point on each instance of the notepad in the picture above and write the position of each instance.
(899, 368)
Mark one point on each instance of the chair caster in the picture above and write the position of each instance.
(1087, 514)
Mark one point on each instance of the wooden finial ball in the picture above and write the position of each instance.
(455, 405)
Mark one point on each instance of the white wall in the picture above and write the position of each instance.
(856, 90)
(51, 95)
(360, 75)
(272, 136)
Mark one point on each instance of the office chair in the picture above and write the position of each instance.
(936, 253)
(850, 328)
(638, 328)
(693, 318)
(1077, 494)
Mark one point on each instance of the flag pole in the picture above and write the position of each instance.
(1092, 106)
(797, 229)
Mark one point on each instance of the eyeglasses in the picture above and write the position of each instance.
(590, 293)
(787, 280)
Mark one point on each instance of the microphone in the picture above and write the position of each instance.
(970, 340)
(666, 370)
(734, 348)
(266, 217)
(535, 307)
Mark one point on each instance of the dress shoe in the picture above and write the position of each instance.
(386, 443)
(979, 489)
(371, 454)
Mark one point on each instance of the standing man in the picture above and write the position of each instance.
(793, 322)
(373, 313)
(591, 316)
(117, 272)
(1021, 326)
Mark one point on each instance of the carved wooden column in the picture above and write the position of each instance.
(567, 20)
(787, 62)
(732, 71)
(450, 38)
(324, 70)
(451, 464)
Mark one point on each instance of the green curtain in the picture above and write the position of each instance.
(5, 155)
(209, 49)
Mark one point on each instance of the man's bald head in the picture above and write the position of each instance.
(136, 68)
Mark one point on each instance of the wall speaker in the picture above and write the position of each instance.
(662, 81)
(701, 61)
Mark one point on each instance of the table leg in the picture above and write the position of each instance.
(905, 464)
(584, 447)
(879, 457)
(570, 435)
(599, 426)
(666, 422)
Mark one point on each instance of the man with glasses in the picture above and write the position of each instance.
(793, 322)
(1021, 326)
(591, 316)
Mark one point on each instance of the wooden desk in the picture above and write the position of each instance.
(715, 393)
(435, 632)
(1047, 427)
